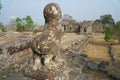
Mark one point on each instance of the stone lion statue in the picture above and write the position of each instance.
(46, 65)
(47, 45)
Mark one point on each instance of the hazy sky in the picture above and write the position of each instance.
(79, 9)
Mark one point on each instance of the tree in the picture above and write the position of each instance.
(117, 30)
(29, 23)
(2, 26)
(97, 21)
(108, 33)
(25, 24)
(19, 25)
(107, 19)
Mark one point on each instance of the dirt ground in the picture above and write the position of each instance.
(98, 49)
(97, 52)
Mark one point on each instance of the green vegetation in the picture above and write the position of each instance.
(113, 32)
(117, 31)
(108, 33)
(25, 24)
(109, 30)
(2, 27)
(107, 20)
(112, 29)
(97, 21)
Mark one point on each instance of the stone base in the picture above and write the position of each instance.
(45, 72)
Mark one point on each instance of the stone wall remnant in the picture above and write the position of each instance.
(82, 28)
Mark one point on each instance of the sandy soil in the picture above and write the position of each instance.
(98, 49)
(97, 52)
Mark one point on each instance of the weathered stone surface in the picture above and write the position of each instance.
(48, 44)
(73, 74)
(98, 27)
(12, 65)
(82, 28)
(52, 12)
(47, 47)
(63, 76)
(111, 53)
(92, 65)
(47, 64)
(45, 72)
(76, 63)
(16, 46)
(1, 31)
(85, 77)
(103, 64)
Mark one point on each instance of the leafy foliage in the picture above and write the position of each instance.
(117, 30)
(112, 30)
(108, 33)
(112, 33)
(2, 27)
(25, 24)
(97, 21)
(117, 27)
(107, 19)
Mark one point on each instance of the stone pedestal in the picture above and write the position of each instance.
(52, 71)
